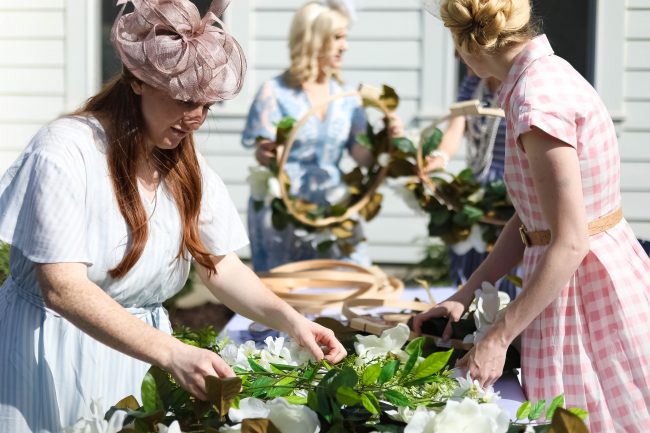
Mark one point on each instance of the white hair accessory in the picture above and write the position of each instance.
(432, 6)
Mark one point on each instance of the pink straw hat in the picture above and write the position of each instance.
(167, 44)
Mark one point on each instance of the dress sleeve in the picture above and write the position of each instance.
(42, 201)
(220, 226)
(263, 116)
(555, 120)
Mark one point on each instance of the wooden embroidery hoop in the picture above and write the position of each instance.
(293, 283)
(465, 108)
(372, 96)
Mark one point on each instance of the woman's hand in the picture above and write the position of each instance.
(320, 341)
(190, 365)
(485, 360)
(265, 151)
(453, 308)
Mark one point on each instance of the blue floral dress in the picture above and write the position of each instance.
(312, 166)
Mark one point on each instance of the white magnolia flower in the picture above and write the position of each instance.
(258, 180)
(96, 422)
(468, 388)
(470, 416)
(390, 341)
(173, 428)
(474, 240)
(383, 159)
(399, 187)
(529, 429)
(286, 417)
(337, 194)
(421, 421)
(403, 414)
(274, 187)
(237, 355)
(490, 307)
(298, 354)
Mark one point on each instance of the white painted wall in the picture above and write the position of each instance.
(50, 64)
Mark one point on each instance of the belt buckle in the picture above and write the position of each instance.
(524, 236)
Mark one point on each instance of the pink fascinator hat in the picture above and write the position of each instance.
(166, 44)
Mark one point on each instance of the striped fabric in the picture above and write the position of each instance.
(591, 343)
(57, 205)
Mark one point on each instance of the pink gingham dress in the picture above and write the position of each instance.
(593, 342)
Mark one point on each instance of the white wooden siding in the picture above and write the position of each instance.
(50, 68)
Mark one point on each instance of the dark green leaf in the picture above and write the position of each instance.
(261, 385)
(255, 366)
(388, 371)
(431, 142)
(468, 216)
(404, 145)
(150, 399)
(397, 398)
(258, 205)
(414, 349)
(347, 377)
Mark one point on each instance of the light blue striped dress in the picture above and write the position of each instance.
(57, 205)
(312, 167)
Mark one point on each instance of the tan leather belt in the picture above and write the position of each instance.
(543, 237)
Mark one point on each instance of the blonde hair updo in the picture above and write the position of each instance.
(488, 24)
(312, 29)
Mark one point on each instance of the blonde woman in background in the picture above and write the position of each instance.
(584, 313)
(317, 43)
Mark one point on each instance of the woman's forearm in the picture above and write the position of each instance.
(67, 290)
(507, 253)
(237, 286)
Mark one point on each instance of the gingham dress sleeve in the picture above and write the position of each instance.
(554, 118)
(263, 116)
(42, 199)
(220, 226)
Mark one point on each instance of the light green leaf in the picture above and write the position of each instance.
(347, 396)
(370, 402)
(537, 410)
(150, 399)
(557, 402)
(371, 374)
(281, 387)
(524, 410)
(432, 364)
(397, 398)
(581, 413)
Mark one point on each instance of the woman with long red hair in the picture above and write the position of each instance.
(106, 209)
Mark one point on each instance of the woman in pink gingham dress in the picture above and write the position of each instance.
(584, 313)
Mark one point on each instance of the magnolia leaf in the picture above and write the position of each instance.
(371, 209)
(255, 366)
(151, 400)
(370, 402)
(466, 176)
(404, 145)
(431, 142)
(347, 377)
(221, 391)
(468, 216)
(129, 402)
(518, 282)
(324, 246)
(282, 387)
(341, 233)
(557, 402)
(566, 422)
(524, 410)
(388, 371)
(258, 425)
(364, 140)
(389, 97)
(371, 374)
(296, 399)
(284, 127)
(432, 364)
(400, 168)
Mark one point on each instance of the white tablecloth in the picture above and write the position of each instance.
(512, 395)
